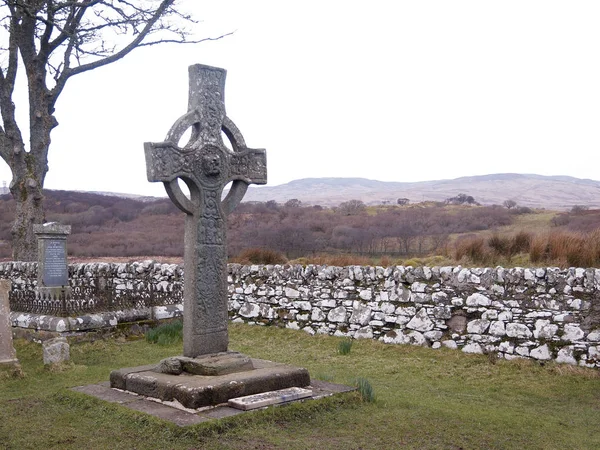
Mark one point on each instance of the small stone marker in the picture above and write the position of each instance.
(8, 355)
(269, 398)
(206, 165)
(53, 274)
(56, 350)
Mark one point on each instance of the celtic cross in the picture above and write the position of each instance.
(206, 165)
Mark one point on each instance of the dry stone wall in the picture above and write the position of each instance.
(539, 313)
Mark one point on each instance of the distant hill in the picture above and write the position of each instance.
(550, 192)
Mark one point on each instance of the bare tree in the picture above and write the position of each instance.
(508, 204)
(54, 40)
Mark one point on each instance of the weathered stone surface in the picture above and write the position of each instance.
(207, 165)
(7, 351)
(256, 401)
(56, 350)
(421, 321)
(197, 391)
(541, 353)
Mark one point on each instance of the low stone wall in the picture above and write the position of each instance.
(539, 313)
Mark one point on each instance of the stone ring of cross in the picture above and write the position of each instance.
(238, 187)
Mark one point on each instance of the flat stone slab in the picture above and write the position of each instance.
(183, 417)
(269, 398)
(215, 364)
(197, 391)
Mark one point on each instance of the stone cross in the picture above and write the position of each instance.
(206, 165)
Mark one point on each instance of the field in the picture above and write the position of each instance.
(425, 399)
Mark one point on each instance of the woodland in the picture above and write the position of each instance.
(457, 231)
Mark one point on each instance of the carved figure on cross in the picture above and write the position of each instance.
(206, 166)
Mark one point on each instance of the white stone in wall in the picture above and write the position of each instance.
(472, 347)
(572, 333)
(457, 301)
(302, 317)
(309, 330)
(326, 303)
(518, 330)
(594, 336)
(541, 353)
(497, 328)
(395, 338)
(302, 306)
(442, 312)
(337, 315)
(433, 335)
(364, 333)
(490, 314)
(360, 314)
(291, 293)
(378, 316)
(575, 304)
(317, 315)
(418, 287)
(249, 310)
(565, 356)
(387, 308)
(416, 338)
(384, 296)
(323, 329)
(450, 344)
(544, 329)
(420, 322)
(366, 294)
(522, 351)
(408, 311)
(292, 325)
(540, 272)
(438, 297)
(594, 352)
(402, 320)
(506, 347)
(478, 326)
(478, 299)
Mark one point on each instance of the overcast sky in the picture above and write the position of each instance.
(386, 90)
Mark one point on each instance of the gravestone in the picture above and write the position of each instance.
(8, 355)
(207, 373)
(53, 274)
(206, 165)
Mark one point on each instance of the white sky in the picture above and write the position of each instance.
(387, 90)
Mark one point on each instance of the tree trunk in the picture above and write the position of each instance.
(30, 168)
(29, 210)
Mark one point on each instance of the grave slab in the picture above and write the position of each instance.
(269, 398)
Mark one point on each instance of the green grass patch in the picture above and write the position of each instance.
(166, 334)
(344, 346)
(426, 399)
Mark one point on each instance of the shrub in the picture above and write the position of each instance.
(260, 256)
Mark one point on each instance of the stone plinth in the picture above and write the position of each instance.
(53, 275)
(197, 391)
(8, 356)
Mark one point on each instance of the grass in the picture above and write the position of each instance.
(166, 334)
(426, 399)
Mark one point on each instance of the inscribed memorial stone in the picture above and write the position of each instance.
(52, 254)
